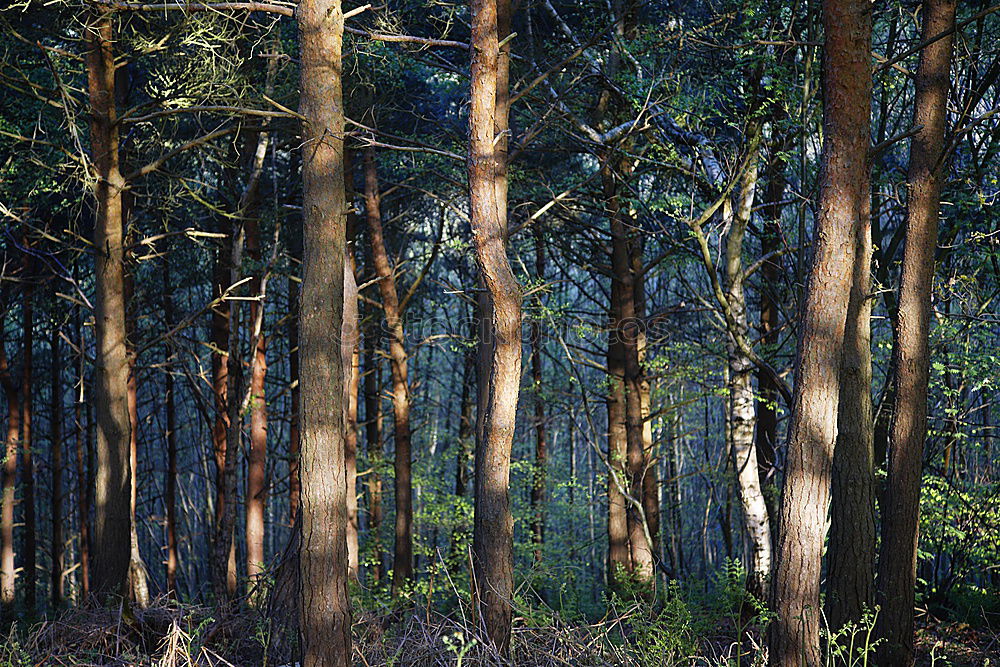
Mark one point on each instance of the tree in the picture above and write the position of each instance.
(843, 195)
(112, 525)
(493, 526)
(402, 559)
(325, 621)
(911, 356)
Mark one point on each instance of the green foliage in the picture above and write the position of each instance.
(854, 644)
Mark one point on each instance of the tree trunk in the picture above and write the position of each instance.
(112, 525)
(171, 490)
(541, 455)
(402, 560)
(850, 578)
(493, 529)
(7, 571)
(294, 437)
(619, 559)
(900, 516)
(137, 575)
(29, 567)
(742, 413)
(83, 488)
(812, 433)
(373, 441)
(627, 332)
(221, 331)
(325, 621)
(352, 334)
(57, 591)
(256, 493)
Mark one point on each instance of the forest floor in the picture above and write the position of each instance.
(170, 635)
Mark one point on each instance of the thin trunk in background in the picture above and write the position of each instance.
(373, 441)
(352, 332)
(901, 513)
(325, 612)
(402, 561)
(493, 529)
(843, 197)
(138, 577)
(541, 455)
(29, 565)
(9, 478)
(83, 487)
(112, 525)
(56, 585)
(170, 498)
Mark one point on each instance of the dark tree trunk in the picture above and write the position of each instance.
(170, 498)
(900, 516)
(57, 592)
(373, 442)
(29, 566)
(325, 621)
(843, 202)
(83, 487)
(112, 525)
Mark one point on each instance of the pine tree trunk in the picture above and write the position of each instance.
(82, 459)
(170, 498)
(7, 571)
(294, 435)
(402, 560)
(112, 526)
(256, 491)
(325, 610)
(619, 559)
(493, 529)
(29, 569)
(373, 442)
(900, 516)
(541, 455)
(794, 638)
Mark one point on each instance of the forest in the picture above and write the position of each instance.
(508, 332)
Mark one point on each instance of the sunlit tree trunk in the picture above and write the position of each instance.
(900, 516)
(493, 529)
(402, 560)
(325, 621)
(7, 571)
(112, 526)
(843, 197)
(619, 558)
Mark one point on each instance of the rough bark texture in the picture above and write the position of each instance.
(402, 559)
(850, 578)
(812, 432)
(900, 516)
(742, 413)
(112, 525)
(325, 620)
(349, 338)
(256, 498)
(619, 560)
(493, 529)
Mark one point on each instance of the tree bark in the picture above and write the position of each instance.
(112, 525)
(352, 334)
(402, 560)
(742, 403)
(493, 529)
(57, 589)
(900, 516)
(325, 621)
(373, 442)
(29, 567)
(812, 433)
(619, 558)
(294, 436)
(7, 571)
(83, 487)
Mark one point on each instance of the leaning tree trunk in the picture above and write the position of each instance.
(402, 560)
(325, 612)
(900, 516)
(112, 525)
(493, 529)
(812, 433)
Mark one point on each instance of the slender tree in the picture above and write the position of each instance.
(58, 565)
(911, 357)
